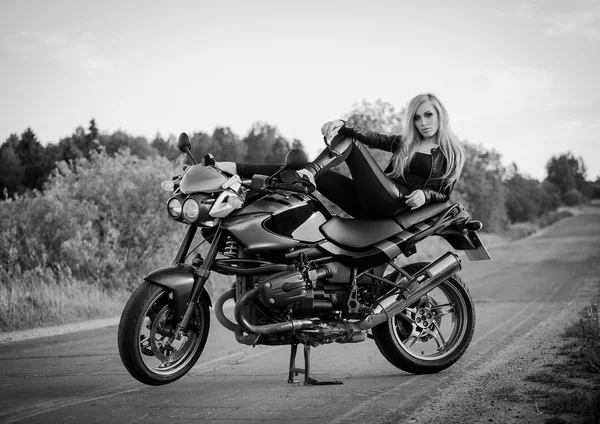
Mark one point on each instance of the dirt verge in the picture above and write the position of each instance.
(540, 378)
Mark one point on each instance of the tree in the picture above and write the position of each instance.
(279, 150)
(12, 169)
(297, 144)
(378, 116)
(36, 164)
(226, 145)
(264, 144)
(166, 148)
(80, 144)
(92, 135)
(25, 165)
(567, 172)
(526, 199)
(481, 185)
(201, 145)
(120, 140)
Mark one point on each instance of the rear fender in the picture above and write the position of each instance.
(180, 280)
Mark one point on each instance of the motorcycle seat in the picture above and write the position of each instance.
(362, 233)
(407, 219)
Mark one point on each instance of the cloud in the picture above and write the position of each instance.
(577, 21)
(577, 17)
(505, 91)
(57, 47)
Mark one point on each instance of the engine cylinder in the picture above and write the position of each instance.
(282, 289)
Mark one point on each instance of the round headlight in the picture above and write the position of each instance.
(191, 210)
(174, 208)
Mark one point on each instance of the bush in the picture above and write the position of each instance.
(34, 230)
(526, 199)
(101, 218)
(572, 197)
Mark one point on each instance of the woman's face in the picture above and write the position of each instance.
(426, 120)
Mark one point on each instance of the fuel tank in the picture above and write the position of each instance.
(278, 222)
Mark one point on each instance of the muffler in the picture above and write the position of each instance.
(429, 277)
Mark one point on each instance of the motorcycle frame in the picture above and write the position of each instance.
(188, 281)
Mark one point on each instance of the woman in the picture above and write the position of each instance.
(426, 163)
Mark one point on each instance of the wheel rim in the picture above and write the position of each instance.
(432, 328)
(160, 353)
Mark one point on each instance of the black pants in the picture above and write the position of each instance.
(368, 194)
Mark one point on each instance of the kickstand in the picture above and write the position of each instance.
(308, 380)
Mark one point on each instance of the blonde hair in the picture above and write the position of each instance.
(448, 142)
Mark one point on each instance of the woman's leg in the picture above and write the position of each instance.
(374, 193)
(247, 170)
(340, 190)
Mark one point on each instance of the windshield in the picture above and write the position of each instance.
(201, 178)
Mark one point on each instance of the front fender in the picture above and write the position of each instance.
(180, 280)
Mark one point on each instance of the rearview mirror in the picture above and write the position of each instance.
(183, 142)
(296, 159)
(185, 145)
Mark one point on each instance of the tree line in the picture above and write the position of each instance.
(495, 194)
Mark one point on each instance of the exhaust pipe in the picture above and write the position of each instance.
(433, 274)
(291, 325)
(225, 322)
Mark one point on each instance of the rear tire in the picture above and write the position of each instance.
(146, 348)
(431, 334)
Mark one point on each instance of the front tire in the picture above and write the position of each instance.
(146, 347)
(433, 333)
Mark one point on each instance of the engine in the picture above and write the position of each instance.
(317, 291)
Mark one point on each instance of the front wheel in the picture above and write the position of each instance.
(433, 333)
(146, 346)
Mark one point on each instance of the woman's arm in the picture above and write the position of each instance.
(434, 196)
(387, 142)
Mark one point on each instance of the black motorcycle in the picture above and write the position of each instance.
(302, 276)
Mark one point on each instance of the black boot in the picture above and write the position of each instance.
(333, 155)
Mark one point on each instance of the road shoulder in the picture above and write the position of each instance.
(533, 380)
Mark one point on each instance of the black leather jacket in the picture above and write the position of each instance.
(433, 188)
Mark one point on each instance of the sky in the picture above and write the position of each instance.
(518, 77)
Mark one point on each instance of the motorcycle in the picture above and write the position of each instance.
(302, 276)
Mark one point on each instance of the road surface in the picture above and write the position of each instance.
(79, 377)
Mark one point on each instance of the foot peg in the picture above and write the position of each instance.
(308, 380)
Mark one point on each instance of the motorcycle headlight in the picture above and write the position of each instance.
(191, 210)
(174, 208)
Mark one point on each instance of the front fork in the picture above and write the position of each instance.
(201, 274)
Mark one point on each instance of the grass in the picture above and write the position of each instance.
(41, 298)
(577, 374)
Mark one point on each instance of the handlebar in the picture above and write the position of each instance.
(263, 183)
(290, 187)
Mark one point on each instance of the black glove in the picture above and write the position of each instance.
(289, 176)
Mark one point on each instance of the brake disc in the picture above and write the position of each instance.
(165, 348)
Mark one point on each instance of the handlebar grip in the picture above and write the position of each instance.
(290, 187)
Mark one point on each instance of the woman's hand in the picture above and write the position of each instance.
(416, 199)
(330, 129)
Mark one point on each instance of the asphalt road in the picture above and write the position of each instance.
(79, 377)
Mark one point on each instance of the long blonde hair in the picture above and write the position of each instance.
(448, 142)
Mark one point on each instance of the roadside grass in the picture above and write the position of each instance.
(569, 390)
(43, 297)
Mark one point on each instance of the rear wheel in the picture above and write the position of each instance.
(147, 348)
(433, 333)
